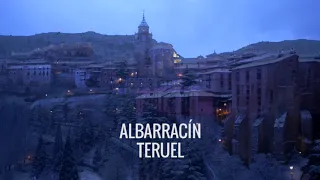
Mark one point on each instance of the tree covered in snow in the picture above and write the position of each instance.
(57, 151)
(86, 137)
(40, 160)
(267, 167)
(14, 133)
(195, 162)
(313, 166)
(150, 167)
(97, 157)
(188, 79)
(69, 170)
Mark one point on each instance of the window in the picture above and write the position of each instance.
(259, 91)
(271, 96)
(237, 76)
(247, 100)
(259, 101)
(259, 74)
(238, 89)
(247, 76)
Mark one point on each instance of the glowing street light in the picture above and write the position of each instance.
(220, 140)
(90, 90)
(68, 91)
(225, 104)
(291, 172)
(46, 95)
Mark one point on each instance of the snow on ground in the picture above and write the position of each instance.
(84, 175)
(49, 102)
(89, 175)
(265, 167)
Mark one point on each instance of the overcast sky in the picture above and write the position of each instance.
(194, 27)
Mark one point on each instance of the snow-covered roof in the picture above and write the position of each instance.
(239, 119)
(220, 70)
(306, 60)
(279, 123)
(265, 61)
(257, 122)
(152, 95)
(162, 45)
(305, 115)
(189, 94)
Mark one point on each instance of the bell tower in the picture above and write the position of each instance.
(143, 34)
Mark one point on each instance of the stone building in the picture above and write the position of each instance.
(182, 105)
(30, 75)
(265, 89)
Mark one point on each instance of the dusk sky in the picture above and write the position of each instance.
(193, 27)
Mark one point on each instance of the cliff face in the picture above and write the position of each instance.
(103, 47)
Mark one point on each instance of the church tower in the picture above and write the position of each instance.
(143, 35)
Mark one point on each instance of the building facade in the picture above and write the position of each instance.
(31, 75)
(259, 92)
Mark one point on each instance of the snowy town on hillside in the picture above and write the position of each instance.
(61, 109)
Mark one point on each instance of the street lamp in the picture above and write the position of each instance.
(291, 172)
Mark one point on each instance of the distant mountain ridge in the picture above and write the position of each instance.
(104, 46)
(301, 46)
(113, 47)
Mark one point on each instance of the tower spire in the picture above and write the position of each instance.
(143, 22)
(143, 19)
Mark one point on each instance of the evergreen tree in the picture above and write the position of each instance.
(40, 159)
(87, 137)
(122, 70)
(57, 150)
(101, 134)
(58, 142)
(196, 169)
(97, 158)
(313, 166)
(68, 169)
(188, 79)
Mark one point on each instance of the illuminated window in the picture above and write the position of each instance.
(177, 61)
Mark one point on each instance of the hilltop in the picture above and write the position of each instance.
(104, 47)
(115, 47)
(301, 46)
